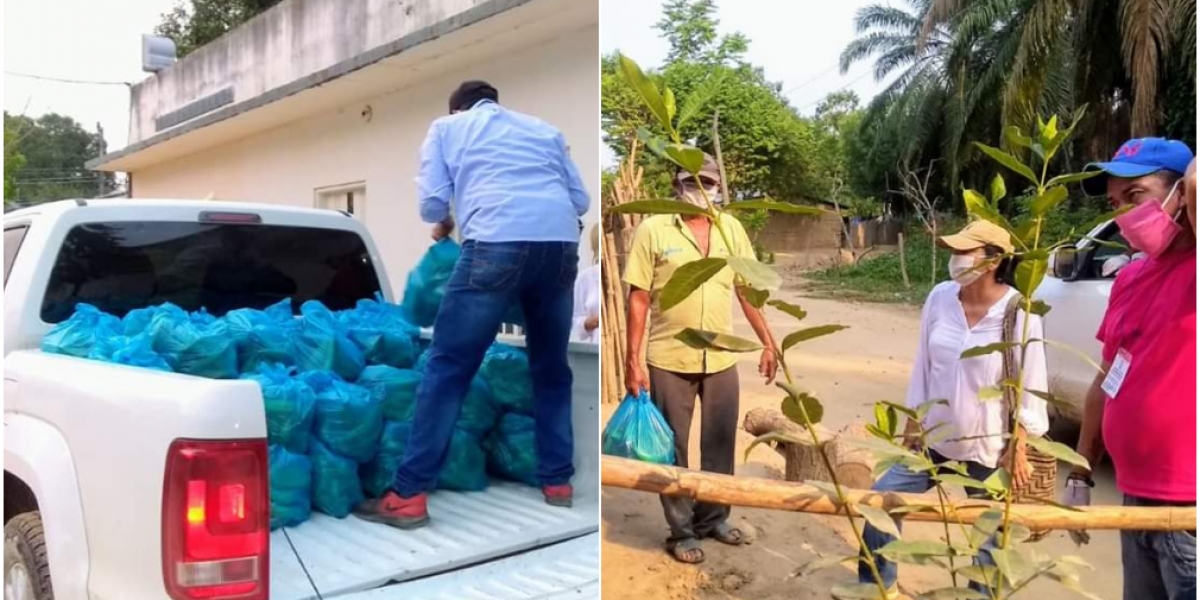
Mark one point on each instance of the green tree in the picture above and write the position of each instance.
(194, 23)
(14, 161)
(768, 149)
(53, 150)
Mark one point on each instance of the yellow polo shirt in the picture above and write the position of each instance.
(661, 244)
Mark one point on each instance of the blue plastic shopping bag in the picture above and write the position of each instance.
(638, 431)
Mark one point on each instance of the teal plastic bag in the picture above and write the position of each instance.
(135, 351)
(321, 344)
(426, 284)
(395, 389)
(512, 449)
(505, 369)
(349, 418)
(291, 487)
(479, 410)
(242, 321)
(382, 333)
(290, 404)
(78, 334)
(466, 464)
(379, 472)
(199, 345)
(267, 345)
(465, 469)
(638, 431)
(336, 488)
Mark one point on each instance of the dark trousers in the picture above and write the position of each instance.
(675, 395)
(488, 279)
(1158, 565)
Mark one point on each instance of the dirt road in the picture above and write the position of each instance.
(848, 371)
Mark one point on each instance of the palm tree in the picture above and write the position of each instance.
(1119, 54)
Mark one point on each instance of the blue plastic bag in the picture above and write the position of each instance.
(336, 488)
(242, 321)
(382, 333)
(638, 431)
(321, 344)
(426, 284)
(291, 487)
(395, 389)
(512, 449)
(349, 418)
(290, 405)
(135, 351)
(197, 345)
(465, 469)
(378, 474)
(77, 335)
(505, 369)
(480, 413)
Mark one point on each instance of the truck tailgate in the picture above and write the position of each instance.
(351, 555)
(565, 571)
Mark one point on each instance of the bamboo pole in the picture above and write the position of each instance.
(616, 241)
(800, 497)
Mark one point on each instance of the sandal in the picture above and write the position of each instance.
(727, 534)
(687, 551)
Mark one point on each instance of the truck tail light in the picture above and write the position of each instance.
(216, 520)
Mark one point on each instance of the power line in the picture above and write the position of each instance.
(62, 80)
(843, 88)
(808, 81)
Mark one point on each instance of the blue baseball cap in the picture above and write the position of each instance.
(1138, 158)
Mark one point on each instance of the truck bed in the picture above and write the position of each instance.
(351, 555)
(564, 571)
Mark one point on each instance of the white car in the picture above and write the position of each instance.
(105, 465)
(1077, 288)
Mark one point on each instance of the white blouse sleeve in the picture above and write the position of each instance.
(1033, 409)
(918, 388)
(579, 316)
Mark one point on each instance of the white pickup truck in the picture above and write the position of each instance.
(101, 460)
(1077, 287)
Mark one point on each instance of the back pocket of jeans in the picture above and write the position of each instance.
(570, 267)
(495, 269)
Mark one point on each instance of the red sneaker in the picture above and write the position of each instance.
(558, 495)
(391, 509)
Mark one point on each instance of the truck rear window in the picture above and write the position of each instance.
(122, 266)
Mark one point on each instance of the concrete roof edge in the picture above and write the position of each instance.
(485, 10)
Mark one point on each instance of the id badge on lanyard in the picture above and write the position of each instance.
(1116, 373)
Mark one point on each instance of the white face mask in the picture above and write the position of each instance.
(962, 269)
(692, 195)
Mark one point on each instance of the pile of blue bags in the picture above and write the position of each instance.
(339, 388)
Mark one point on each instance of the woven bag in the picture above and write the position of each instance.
(1043, 484)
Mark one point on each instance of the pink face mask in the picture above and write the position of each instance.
(1148, 227)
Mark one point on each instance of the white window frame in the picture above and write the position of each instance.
(324, 196)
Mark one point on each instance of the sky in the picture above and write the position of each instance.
(796, 42)
(77, 39)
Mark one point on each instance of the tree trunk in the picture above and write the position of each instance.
(803, 461)
(903, 262)
(798, 497)
(933, 251)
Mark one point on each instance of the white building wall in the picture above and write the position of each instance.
(557, 81)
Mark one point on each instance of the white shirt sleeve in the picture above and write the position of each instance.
(1033, 414)
(918, 382)
(587, 292)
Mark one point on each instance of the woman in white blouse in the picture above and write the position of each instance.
(586, 326)
(960, 314)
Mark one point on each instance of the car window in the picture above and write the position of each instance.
(13, 238)
(118, 267)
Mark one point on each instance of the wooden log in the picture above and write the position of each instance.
(802, 460)
(798, 497)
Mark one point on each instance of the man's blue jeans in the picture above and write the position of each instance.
(900, 479)
(487, 281)
(1158, 565)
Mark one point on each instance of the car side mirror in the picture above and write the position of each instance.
(1064, 263)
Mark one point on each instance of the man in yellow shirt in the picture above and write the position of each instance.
(679, 373)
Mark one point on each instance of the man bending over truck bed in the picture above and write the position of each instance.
(519, 198)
